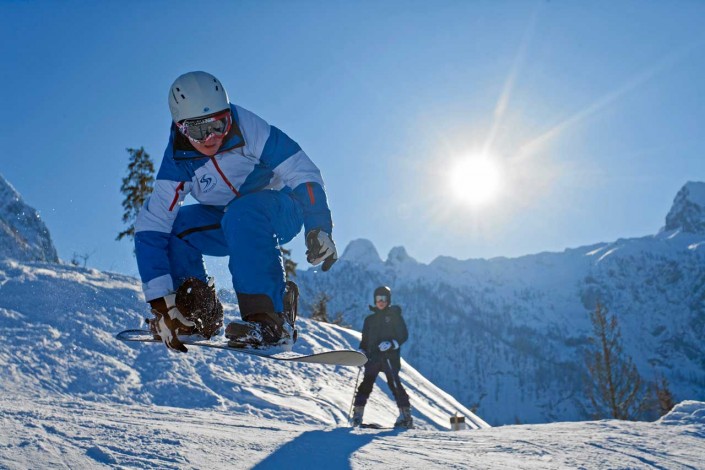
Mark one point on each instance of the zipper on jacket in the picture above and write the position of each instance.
(222, 175)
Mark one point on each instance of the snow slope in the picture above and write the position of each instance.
(61, 431)
(60, 323)
(71, 396)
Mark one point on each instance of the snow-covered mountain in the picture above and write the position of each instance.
(23, 235)
(507, 336)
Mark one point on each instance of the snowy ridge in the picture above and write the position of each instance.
(62, 321)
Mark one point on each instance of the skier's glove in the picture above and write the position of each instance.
(388, 345)
(168, 320)
(321, 248)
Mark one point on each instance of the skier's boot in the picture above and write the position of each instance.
(358, 411)
(262, 327)
(404, 420)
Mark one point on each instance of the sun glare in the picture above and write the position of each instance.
(476, 180)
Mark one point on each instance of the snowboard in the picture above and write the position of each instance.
(344, 357)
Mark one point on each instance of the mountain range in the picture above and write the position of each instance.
(508, 337)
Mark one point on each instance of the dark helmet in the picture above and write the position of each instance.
(385, 291)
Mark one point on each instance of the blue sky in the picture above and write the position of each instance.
(594, 111)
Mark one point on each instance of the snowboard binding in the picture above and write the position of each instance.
(261, 327)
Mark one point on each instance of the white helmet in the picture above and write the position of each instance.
(196, 94)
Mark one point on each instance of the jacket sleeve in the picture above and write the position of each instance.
(153, 229)
(400, 331)
(364, 342)
(290, 163)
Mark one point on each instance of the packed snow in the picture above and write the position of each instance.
(75, 397)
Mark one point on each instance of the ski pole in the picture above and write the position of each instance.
(352, 403)
(393, 385)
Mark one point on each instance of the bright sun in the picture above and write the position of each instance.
(476, 180)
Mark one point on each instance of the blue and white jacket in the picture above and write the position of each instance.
(254, 157)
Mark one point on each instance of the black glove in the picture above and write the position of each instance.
(321, 248)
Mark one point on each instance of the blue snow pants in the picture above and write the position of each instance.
(249, 230)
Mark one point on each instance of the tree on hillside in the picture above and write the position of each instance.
(319, 312)
(615, 388)
(289, 265)
(136, 187)
(664, 398)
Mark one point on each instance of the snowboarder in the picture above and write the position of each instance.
(383, 333)
(255, 188)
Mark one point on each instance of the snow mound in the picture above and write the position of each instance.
(23, 235)
(686, 412)
(688, 210)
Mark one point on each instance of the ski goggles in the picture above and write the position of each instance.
(381, 298)
(198, 130)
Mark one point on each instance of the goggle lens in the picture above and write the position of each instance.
(199, 129)
(381, 298)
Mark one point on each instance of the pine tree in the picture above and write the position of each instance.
(615, 387)
(320, 308)
(664, 397)
(136, 187)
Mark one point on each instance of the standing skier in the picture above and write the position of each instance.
(383, 333)
(255, 188)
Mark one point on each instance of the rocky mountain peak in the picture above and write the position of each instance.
(398, 255)
(23, 235)
(361, 251)
(688, 210)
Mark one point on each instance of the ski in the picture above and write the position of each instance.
(345, 357)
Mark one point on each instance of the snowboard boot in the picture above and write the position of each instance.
(261, 330)
(262, 327)
(404, 420)
(198, 302)
(358, 411)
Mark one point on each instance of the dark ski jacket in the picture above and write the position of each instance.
(383, 325)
